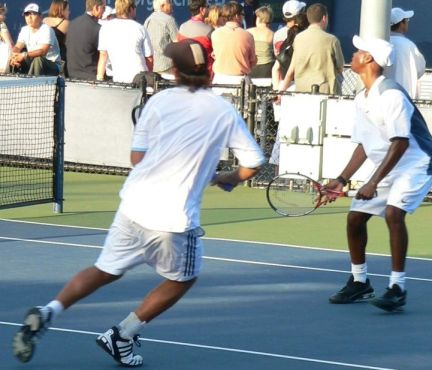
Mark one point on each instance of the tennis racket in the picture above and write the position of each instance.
(294, 194)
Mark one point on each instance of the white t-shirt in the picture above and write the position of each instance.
(127, 44)
(409, 64)
(43, 36)
(183, 135)
(387, 113)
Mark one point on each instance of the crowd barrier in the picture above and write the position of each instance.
(314, 130)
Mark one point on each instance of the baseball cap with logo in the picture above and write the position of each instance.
(32, 7)
(188, 57)
(381, 50)
(398, 15)
(292, 7)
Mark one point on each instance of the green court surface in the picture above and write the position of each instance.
(91, 200)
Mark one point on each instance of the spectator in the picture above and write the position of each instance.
(196, 29)
(162, 29)
(233, 47)
(158, 220)
(290, 9)
(42, 55)
(286, 49)
(409, 63)
(317, 58)
(58, 20)
(126, 43)
(108, 15)
(263, 38)
(82, 42)
(6, 43)
(214, 17)
(249, 7)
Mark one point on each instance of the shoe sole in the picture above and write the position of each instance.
(363, 298)
(23, 344)
(396, 307)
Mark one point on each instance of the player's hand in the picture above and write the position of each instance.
(223, 181)
(367, 191)
(329, 197)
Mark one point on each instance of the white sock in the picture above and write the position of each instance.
(359, 272)
(130, 326)
(397, 277)
(55, 307)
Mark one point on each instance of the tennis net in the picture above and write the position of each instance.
(31, 141)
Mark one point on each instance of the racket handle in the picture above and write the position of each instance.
(351, 193)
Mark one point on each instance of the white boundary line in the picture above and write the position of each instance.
(225, 349)
(249, 262)
(222, 239)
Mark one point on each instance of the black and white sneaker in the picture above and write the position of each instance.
(353, 291)
(392, 300)
(24, 341)
(120, 349)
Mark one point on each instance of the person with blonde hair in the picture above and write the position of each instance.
(214, 16)
(126, 43)
(263, 38)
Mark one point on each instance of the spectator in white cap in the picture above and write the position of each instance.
(409, 63)
(108, 14)
(289, 11)
(389, 131)
(42, 55)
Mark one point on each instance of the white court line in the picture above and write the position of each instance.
(225, 349)
(249, 262)
(221, 239)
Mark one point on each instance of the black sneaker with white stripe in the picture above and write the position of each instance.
(120, 349)
(24, 341)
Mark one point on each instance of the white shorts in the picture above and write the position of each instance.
(406, 192)
(175, 256)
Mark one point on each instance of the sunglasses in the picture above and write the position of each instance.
(26, 14)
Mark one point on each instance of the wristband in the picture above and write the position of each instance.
(341, 180)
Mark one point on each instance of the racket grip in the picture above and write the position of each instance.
(351, 193)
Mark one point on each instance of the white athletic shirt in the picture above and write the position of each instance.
(127, 44)
(387, 113)
(43, 36)
(183, 135)
(409, 64)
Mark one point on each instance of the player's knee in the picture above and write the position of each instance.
(394, 215)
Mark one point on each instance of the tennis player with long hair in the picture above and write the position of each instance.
(391, 132)
(176, 148)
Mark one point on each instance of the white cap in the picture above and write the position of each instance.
(292, 7)
(108, 11)
(32, 7)
(398, 15)
(381, 50)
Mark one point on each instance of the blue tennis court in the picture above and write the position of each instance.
(255, 306)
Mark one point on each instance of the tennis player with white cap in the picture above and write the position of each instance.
(409, 63)
(176, 148)
(390, 131)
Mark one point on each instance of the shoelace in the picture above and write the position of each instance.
(136, 339)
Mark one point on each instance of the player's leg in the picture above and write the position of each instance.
(358, 287)
(175, 256)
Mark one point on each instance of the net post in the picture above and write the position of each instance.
(59, 146)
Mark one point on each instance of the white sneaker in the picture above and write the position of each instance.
(120, 349)
(24, 341)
